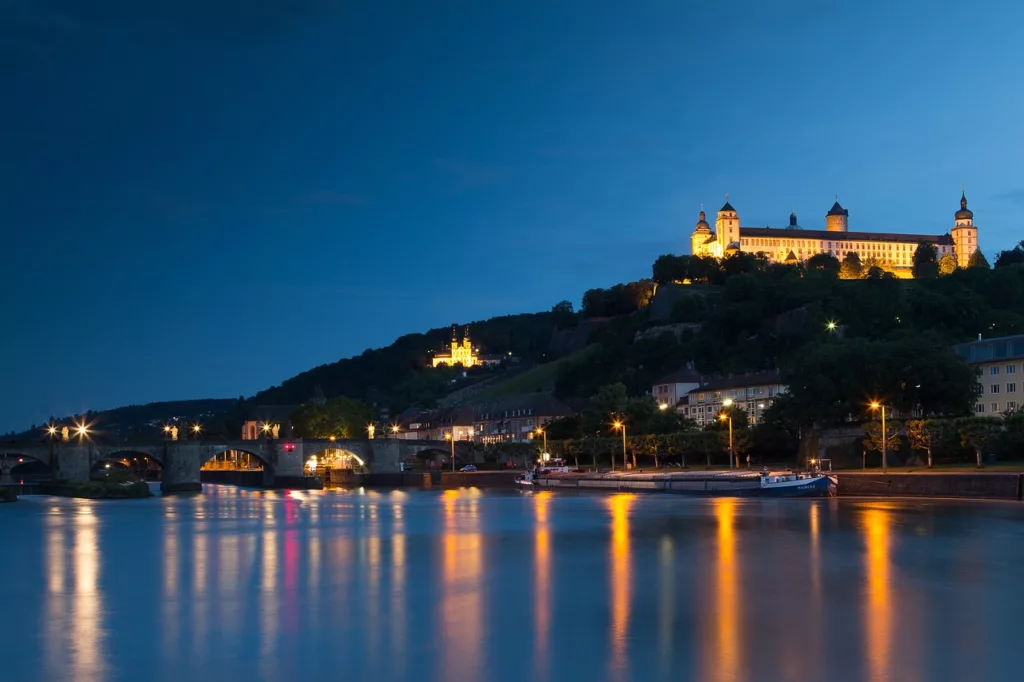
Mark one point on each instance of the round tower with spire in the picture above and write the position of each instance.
(837, 218)
(701, 233)
(964, 232)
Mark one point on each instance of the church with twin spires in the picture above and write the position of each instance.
(794, 244)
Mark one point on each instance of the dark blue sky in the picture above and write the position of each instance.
(202, 198)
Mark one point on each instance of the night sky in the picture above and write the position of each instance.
(201, 198)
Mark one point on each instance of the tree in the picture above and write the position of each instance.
(947, 264)
(851, 267)
(978, 260)
(340, 417)
(563, 316)
(824, 262)
(977, 433)
(668, 269)
(920, 433)
(926, 263)
(1014, 256)
(874, 438)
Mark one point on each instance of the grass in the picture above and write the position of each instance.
(541, 377)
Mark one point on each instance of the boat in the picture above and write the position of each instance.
(794, 484)
(554, 466)
(525, 479)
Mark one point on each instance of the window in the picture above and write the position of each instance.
(1011, 405)
(994, 388)
(1010, 388)
(979, 408)
(1010, 369)
(993, 370)
(995, 408)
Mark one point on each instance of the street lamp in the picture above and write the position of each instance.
(727, 403)
(620, 425)
(196, 428)
(542, 432)
(663, 406)
(450, 437)
(875, 405)
(394, 430)
(831, 326)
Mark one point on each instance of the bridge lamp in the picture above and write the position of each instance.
(197, 428)
(394, 428)
(266, 427)
(82, 430)
(52, 430)
(167, 429)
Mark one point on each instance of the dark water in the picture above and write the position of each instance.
(470, 585)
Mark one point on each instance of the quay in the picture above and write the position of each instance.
(997, 485)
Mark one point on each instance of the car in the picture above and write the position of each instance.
(468, 467)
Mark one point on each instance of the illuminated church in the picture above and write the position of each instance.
(461, 354)
(794, 244)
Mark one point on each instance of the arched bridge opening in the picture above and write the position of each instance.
(323, 460)
(21, 467)
(134, 463)
(234, 459)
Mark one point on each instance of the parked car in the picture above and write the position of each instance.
(468, 467)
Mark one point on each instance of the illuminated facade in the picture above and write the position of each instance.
(793, 244)
(1000, 366)
(461, 353)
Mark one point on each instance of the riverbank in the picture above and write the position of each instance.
(424, 479)
(7, 494)
(996, 485)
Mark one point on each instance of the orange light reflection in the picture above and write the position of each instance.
(620, 582)
(877, 526)
(542, 582)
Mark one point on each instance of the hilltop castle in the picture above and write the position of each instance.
(793, 244)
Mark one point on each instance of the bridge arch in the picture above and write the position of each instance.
(233, 458)
(321, 456)
(15, 463)
(139, 462)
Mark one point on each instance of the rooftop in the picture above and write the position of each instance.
(680, 376)
(992, 350)
(765, 378)
(774, 232)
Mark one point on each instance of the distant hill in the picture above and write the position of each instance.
(121, 422)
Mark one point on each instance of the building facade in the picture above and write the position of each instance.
(752, 393)
(1000, 366)
(671, 389)
(513, 419)
(794, 244)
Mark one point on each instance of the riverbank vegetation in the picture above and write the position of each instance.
(7, 494)
(116, 486)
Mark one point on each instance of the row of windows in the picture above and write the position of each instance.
(750, 392)
(994, 370)
(1010, 388)
(994, 407)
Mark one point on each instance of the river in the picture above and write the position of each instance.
(238, 584)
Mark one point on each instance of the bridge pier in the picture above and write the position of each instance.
(181, 470)
(72, 463)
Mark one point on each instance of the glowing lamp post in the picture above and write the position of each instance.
(394, 430)
(542, 432)
(451, 437)
(622, 427)
(727, 403)
(875, 405)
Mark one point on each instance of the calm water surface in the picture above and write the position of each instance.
(468, 585)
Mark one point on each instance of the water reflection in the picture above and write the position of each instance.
(76, 630)
(878, 619)
(666, 602)
(726, 592)
(542, 582)
(398, 570)
(462, 624)
(620, 581)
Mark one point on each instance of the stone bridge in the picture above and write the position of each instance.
(181, 460)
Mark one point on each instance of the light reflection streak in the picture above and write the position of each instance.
(666, 602)
(200, 600)
(171, 620)
(542, 582)
(619, 505)
(270, 600)
(462, 623)
(728, 644)
(56, 598)
(398, 596)
(877, 528)
(87, 626)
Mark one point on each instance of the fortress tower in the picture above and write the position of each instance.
(837, 218)
(965, 233)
